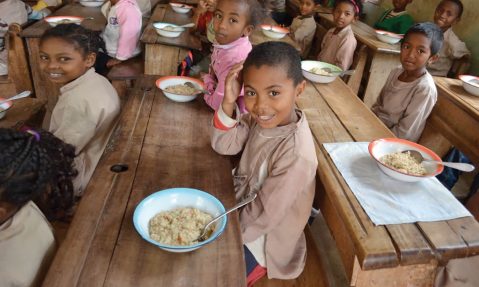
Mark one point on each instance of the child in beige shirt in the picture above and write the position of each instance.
(278, 160)
(409, 94)
(304, 26)
(339, 42)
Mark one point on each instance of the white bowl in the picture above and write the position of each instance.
(381, 147)
(274, 32)
(92, 3)
(388, 37)
(172, 198)
(55, 20)
(4, 107)
(164, 82)
(470, 84)
(180, 8)
(165, 33)
(308, 65)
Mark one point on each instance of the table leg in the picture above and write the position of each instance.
(381, 66)
(162, 59)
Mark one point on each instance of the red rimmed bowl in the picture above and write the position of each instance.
(181, 8)
(470, 84)
(381, 147)
(388, 37)
(164, 82)
(56, 20)
(4, 107)
(274, 32)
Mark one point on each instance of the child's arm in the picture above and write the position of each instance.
(345, 53)
(130, 28)
(458, 48)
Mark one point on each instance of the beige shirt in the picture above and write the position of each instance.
(27, 247)
(404, 107)
(145, 7)
(460, 272)
(452, 48)
(338, 49)
(303, 30)
(282, 208)
(84, 116)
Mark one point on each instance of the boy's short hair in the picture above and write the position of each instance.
(431, 31)
(276, 54)
(459, 5)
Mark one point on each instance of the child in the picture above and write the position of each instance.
(278, 159)
(304, 26)
(11, 11)
(88, 105)
(396, 20)
(448, 13)
(121, 34)
(233, 22)
(409, 94)
(339, 43)
(35, 166)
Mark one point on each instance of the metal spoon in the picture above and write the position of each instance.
(247, 200)
(191, 85)
(175, 28)
(16, 97)
(456, 165)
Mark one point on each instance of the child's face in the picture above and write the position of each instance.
(400, 5)
(231, 21)
(446, 15)
(343, 15)
(62, 62)
(415, 52)
(306, 7)
(269, 95)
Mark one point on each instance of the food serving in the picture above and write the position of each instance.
(181, 226)
(320, 71)
(403, 162)
(181, 89)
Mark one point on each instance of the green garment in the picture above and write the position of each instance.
(398, 24)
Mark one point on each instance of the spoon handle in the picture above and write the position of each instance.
(456, 165)
(16, 97)
(247, 200)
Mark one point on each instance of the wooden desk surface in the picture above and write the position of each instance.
(165, 144)
(335, 114)
(74, 9)
(452, 88)
(22, 110)
(164, 13)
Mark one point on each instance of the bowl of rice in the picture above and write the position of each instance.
(274, 32)
(470, 84)
(174, 88)
(390, 156)
(388, 37)
(92, 3)
(168, 30)
(173, 218)
(181, 8)
(57, 20)
(320, 72)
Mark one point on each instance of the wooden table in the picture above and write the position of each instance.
(44, 88)
(257, 37)
(391, 255)
(162, 54)
(165, 144)
(27, 110)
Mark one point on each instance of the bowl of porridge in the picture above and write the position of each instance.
(173, 218)
(57, 20)
(320, 72)
(391, 158)
(176, 89)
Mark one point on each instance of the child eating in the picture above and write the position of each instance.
(448, 13)
(88, 105)
(304, 26)
(233, 21)
(339, 43)
(396, 20)
(409, 94)
(278, 159)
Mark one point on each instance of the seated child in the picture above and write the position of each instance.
(409, 94)
(339, 43)
(278, 160)
(11, 11)
(396, 20)
(448, 13)
(304, 26)
(121, 34)
(88, 105)
(233, 21)
(35, 166)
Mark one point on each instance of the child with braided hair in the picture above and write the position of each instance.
(88, 105)
(34, 166)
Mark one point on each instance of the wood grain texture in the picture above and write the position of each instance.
(163, 59)
(23, 110)
(18, 69)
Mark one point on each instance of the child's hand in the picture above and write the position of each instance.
(112, 62)
(233, 85)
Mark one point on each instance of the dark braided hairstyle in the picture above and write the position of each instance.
(85, 40)
(39, 170)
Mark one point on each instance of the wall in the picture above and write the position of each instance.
(423, 10)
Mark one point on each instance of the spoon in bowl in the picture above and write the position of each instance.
(336, 73)
(16, 97)
(177, 28)
(456, 165)
(191, 85)
(204, 232)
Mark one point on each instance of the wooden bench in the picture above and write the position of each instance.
(123, 75)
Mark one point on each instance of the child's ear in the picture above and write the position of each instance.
(433, 59)
(248, 30)
(90, 59)
(300, 89)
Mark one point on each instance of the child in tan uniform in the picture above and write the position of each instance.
(409, 94)
(278, 162)
(304, 26)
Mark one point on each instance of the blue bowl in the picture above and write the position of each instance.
(172, 198)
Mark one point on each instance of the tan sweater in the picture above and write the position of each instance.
(404, 107)
(284, 201)
(452, 48)
(303, 33)
(338, 49)
(84, 116)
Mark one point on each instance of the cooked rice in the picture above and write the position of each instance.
(179, 226)
(181, 90)
(403, 162)
(320, 71)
